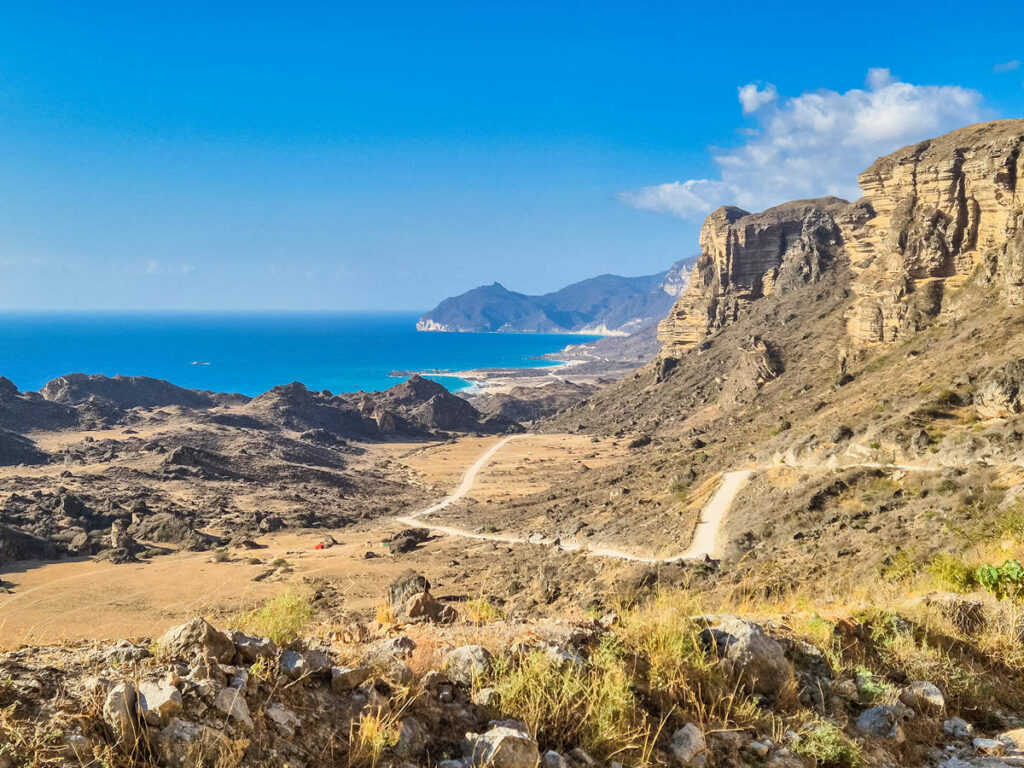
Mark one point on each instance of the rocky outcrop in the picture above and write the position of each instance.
(123, 392)
(25, 411)
(16, 449)
(417, 407)
(932, 214)
(746, 256)
(941, 209)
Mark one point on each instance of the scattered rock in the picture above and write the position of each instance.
(158, 702)
(687, 743)
(506, 745)
(197, 639)
(464, 665)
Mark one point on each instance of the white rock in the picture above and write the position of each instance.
(158, 702)
(119, 712)
(232, 703)
(687, 743)
(506, 745)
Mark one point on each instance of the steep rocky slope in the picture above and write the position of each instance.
(767, 364)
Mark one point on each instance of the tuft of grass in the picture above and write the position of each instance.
(829, 747)
(481, 610)
(385, 613)
(567, 704)
(282, 618)
(370, 737)
(951, 573)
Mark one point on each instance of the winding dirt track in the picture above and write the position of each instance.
(705, 536)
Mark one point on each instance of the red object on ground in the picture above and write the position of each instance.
(319, 546)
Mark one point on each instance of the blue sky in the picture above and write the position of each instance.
(384, 156)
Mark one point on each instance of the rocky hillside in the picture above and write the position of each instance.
(860, 439)
(656, 682)
(607, 304)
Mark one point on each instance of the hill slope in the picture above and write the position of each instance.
(604, 304)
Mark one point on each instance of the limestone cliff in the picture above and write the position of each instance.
(931, 215)
(745, 256)
(941, 208)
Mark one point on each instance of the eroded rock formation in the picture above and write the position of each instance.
(941, 208)
(745, 256)
(932, 214)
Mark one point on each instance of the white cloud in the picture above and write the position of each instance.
(753, 98)
(1007, 66)
(815, 144)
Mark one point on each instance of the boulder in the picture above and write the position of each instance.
(231, 702)
(252, 648)
(924, 697)
(295, 665)
(466, 664)
(408, 584)
(347, 678)
(413, 738)
(120, 710)
(749, 655)
(687, 743)
(198, 639)
(882, 722)
(506, 745)
(158, 702)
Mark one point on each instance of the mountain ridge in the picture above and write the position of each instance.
(603, 305)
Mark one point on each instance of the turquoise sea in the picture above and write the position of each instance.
(250, 353)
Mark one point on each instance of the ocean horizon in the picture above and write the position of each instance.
(251, 352)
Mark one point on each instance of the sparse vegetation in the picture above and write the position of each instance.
(829, 747)
(282, 618)
(481, 610)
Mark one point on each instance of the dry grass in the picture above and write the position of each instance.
(481, 610)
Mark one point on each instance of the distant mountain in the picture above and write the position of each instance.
(607, 304)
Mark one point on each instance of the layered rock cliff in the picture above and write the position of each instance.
(932, 214)
(942, 208)
(745, 256)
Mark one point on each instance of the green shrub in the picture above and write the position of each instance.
(829, 747)
(952, 573)
(899, 568)
(1006, 582)
(282, 618)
